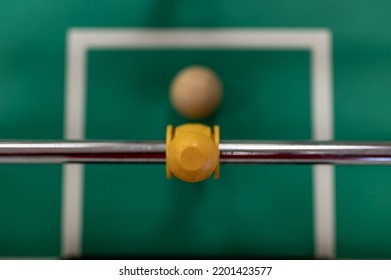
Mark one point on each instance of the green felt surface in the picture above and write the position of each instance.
(252, 211)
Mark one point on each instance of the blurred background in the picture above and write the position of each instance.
(132, 211)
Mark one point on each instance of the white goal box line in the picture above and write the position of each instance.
(317, 41)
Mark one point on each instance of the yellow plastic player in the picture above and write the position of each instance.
(192, 152)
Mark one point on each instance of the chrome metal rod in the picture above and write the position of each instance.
(83, 152)
(310, 152)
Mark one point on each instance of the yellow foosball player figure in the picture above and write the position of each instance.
(192, 152)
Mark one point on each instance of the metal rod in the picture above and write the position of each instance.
(83, 152)
(310, 152)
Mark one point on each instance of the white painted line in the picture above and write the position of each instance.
(72, 210)
(322, 97)
(317, 41)
(72, 191)
(322, 129)
(324, 211)
(75, 87)
(194, 39)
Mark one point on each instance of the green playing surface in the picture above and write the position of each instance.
(251, 211)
